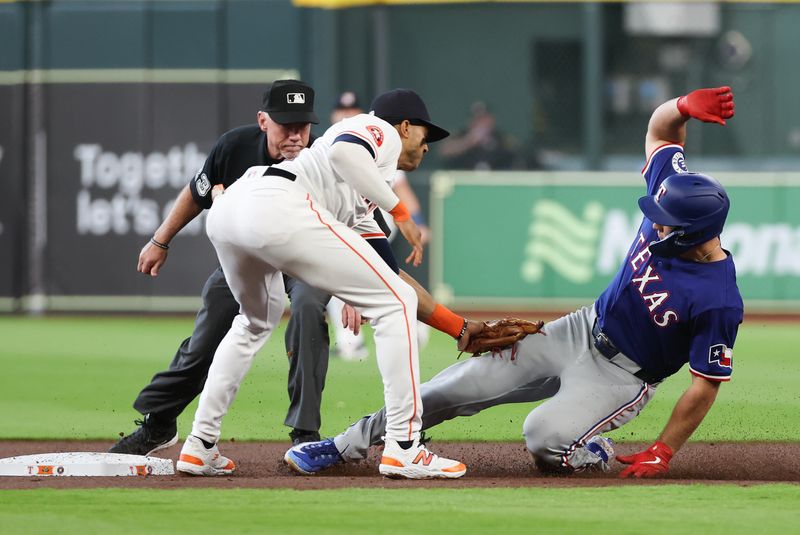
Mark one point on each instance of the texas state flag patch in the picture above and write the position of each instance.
(720, 354)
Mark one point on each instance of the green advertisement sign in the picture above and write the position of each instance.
(553, 240)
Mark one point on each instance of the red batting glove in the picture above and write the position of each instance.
(708, 105)
(648, 463)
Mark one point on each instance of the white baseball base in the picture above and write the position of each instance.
(85, 464)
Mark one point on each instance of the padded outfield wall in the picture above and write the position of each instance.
(555, 240)
(107, 108)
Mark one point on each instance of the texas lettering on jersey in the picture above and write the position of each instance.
(655, 300)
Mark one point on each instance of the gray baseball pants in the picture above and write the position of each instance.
(588, 394)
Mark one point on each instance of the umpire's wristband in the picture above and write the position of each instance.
(159, 244)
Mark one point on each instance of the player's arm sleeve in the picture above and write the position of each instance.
(200, 185)
(379, 219)
(713, 335)
(666, 160)
(355, 164)
(382, 247)
(370, 230)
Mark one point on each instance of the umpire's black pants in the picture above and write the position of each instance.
(307, 345)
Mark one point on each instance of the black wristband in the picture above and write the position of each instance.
(159, 244)
(463, 330)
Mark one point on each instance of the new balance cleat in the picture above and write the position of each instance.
(417, 462)
(198, 460)
(312, 457)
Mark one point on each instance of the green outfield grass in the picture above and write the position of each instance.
(76, 377)
(669, 510)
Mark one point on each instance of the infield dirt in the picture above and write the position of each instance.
(490, 464)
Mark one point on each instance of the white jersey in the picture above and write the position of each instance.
(335, 193)
(265, 226)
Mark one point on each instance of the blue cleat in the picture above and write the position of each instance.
(312, 457)
(602, 449)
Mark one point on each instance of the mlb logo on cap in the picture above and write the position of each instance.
(290, 101)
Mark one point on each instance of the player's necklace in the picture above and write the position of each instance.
(704, 258)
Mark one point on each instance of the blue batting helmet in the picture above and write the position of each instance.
(695, 204)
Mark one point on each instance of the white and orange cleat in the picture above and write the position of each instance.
(198, 460)
(417, 462)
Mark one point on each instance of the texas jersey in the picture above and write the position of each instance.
(337, 193)
(665, 312)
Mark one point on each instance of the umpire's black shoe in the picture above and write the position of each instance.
(299, 436)
(149, 438)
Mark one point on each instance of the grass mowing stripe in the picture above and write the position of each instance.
(668, 509)
(76, 377)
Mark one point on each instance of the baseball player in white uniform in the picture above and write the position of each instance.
(309, 218)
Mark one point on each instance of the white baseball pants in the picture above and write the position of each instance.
(263, 226)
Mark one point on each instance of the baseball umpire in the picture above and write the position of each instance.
(674, 300)
(283, 130)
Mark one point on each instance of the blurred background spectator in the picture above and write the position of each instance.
(481, 145)
(346, 105)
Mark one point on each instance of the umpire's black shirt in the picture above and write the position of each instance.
(233, 154)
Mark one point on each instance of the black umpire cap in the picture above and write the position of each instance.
(398, 105)
(290, 101)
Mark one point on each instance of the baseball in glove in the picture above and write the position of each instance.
(498, 334)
